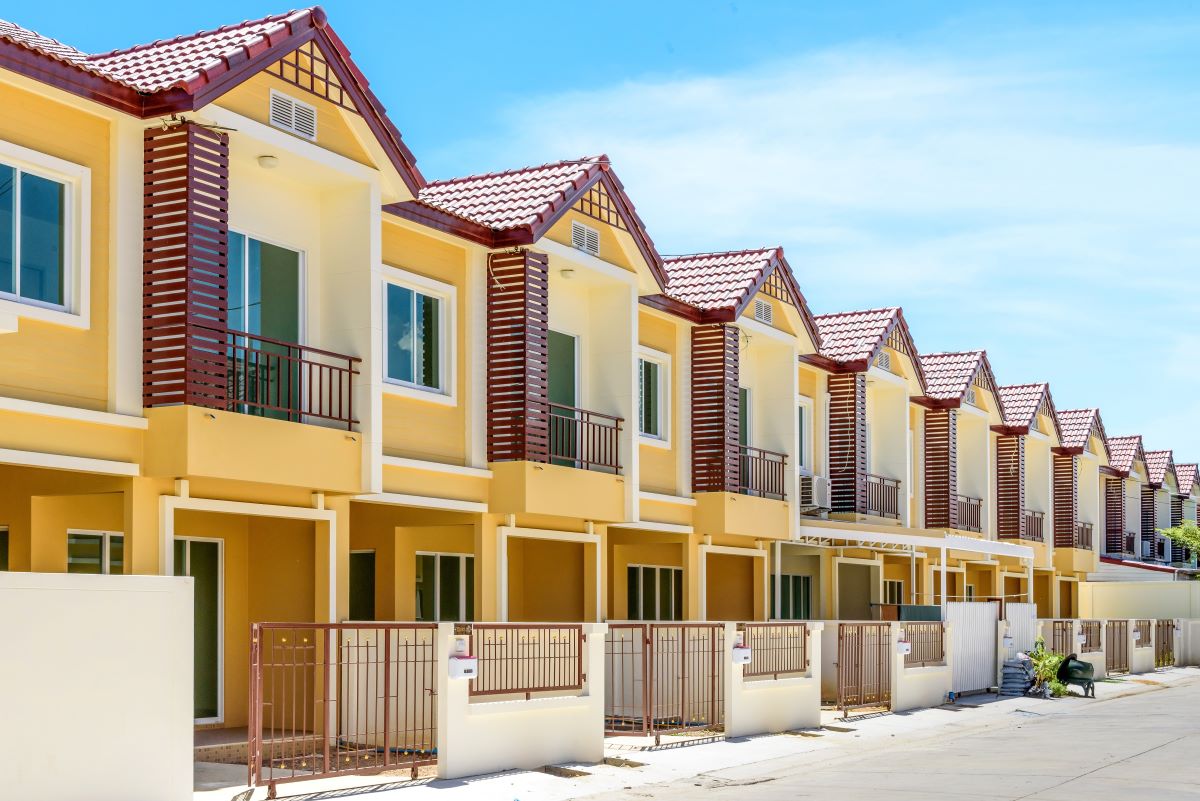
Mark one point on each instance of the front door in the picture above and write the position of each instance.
(264, 301)
(563, 390)
(201, 559)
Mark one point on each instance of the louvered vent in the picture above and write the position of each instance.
(970, 396)
(585, 238)
(295, 117)
(884, 361)
(763, 312)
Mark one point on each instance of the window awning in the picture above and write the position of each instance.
(828, 536)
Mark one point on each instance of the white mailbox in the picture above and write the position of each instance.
(903, 647)
(464, 667)
(1080, 638)
(1008, 641)
(1137, 634)
(741, 655)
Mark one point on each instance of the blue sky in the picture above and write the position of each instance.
(1022, 177)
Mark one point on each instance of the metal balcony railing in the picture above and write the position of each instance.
(762, 473)
(1035, 526)
(970, 513)
(584, 439)
(883, 496)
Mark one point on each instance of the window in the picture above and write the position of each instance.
(33, 237)
(3, 548)
(744, 418)
(362, 585)
(804, 428)
(95, 552)
(295, 117)
(795, 597)
(415, 338)
(445, 585)
(655, 593)
(653, 376)
(585, 238)
(893, 591)
(970, 592)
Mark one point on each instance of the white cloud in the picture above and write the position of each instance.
(1011, 203)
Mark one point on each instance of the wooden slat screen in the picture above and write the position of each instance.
(941, 458)
(1149, 513)
(848, 442)
(1066, 500)
(715, 379)
(1114, 515)
(1177, 550)
(1010, 486)
(185, 265)
(518, 334)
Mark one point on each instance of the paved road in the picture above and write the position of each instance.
(1144, 746)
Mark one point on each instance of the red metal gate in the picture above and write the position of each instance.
(329, 699)
(664, 677)
(1164, 643)
(864, 665)
(1116, 647)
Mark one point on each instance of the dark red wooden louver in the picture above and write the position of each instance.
(941, 465)
(1010, 486)
(1177, 550)
(1149, 513)
(518, 331)
(715, 379)
(1066, 500)
(185, 265)
(1114, 515)
(848, 442)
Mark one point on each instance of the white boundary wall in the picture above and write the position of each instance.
(921, 687)
(769, 706)
(96, 673)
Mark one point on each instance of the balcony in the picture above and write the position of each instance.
(883, 496)
(970, 513)
(762, 473)
(583, 439)
(1083, 536)
(1035, 526)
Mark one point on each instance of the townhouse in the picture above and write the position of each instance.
(244, 339)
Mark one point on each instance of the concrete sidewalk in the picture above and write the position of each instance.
(916, 745)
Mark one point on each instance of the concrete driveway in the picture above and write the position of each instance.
(1131, 746)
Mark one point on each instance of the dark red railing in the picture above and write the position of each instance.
(927, 641)
(584, 439)
(762, 473)
(1091, 636)
(1035, 526)
(1083, 536)
(883, 496)
(273, 378)
(970, 513)
(776, 649)
(1062, 640)
(527, 658)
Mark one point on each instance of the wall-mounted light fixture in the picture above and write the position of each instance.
(268, 162)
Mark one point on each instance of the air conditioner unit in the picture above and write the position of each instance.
(822, 492)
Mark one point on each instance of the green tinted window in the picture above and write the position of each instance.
(414, 347)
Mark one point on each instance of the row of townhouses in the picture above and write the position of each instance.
(244, 339)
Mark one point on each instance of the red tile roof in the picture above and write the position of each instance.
(851, 340)
(1123, 451)
(1077, 425)
(948, 376)
(717, 280)
(1187, 474)
(1022, 402)
(514, 198)
(180, 62)
(1158, 464)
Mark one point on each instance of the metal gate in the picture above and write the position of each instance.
(973, 645)
(1164, 643)
(1116, 647)
(1022, 625)
(661, 678)
(864, 665)
(329, 699)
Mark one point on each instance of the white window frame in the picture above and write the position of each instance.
(658, 612)
(663, 360)
(437, 584)
(76, 179)
(893, 584)
(187, 562)
(447, 294)
(804, 455)
(302, 279)
(105, 546)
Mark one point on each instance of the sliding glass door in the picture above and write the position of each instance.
(201, 559)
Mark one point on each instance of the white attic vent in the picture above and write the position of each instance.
(763, 312)
(585, 238)
(970, 396)
(884, 361)
(291, 115)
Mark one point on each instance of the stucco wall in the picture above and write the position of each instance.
(760, 706)
(108, 659)
(1153, 599)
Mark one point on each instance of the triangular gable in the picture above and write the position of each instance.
(1022, 404)
(1123, 452)
(1159, 465)
(949, 376)
(1077, 427)
(1188, 476)
(851, 341)
(189, 72)
(516, 208)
